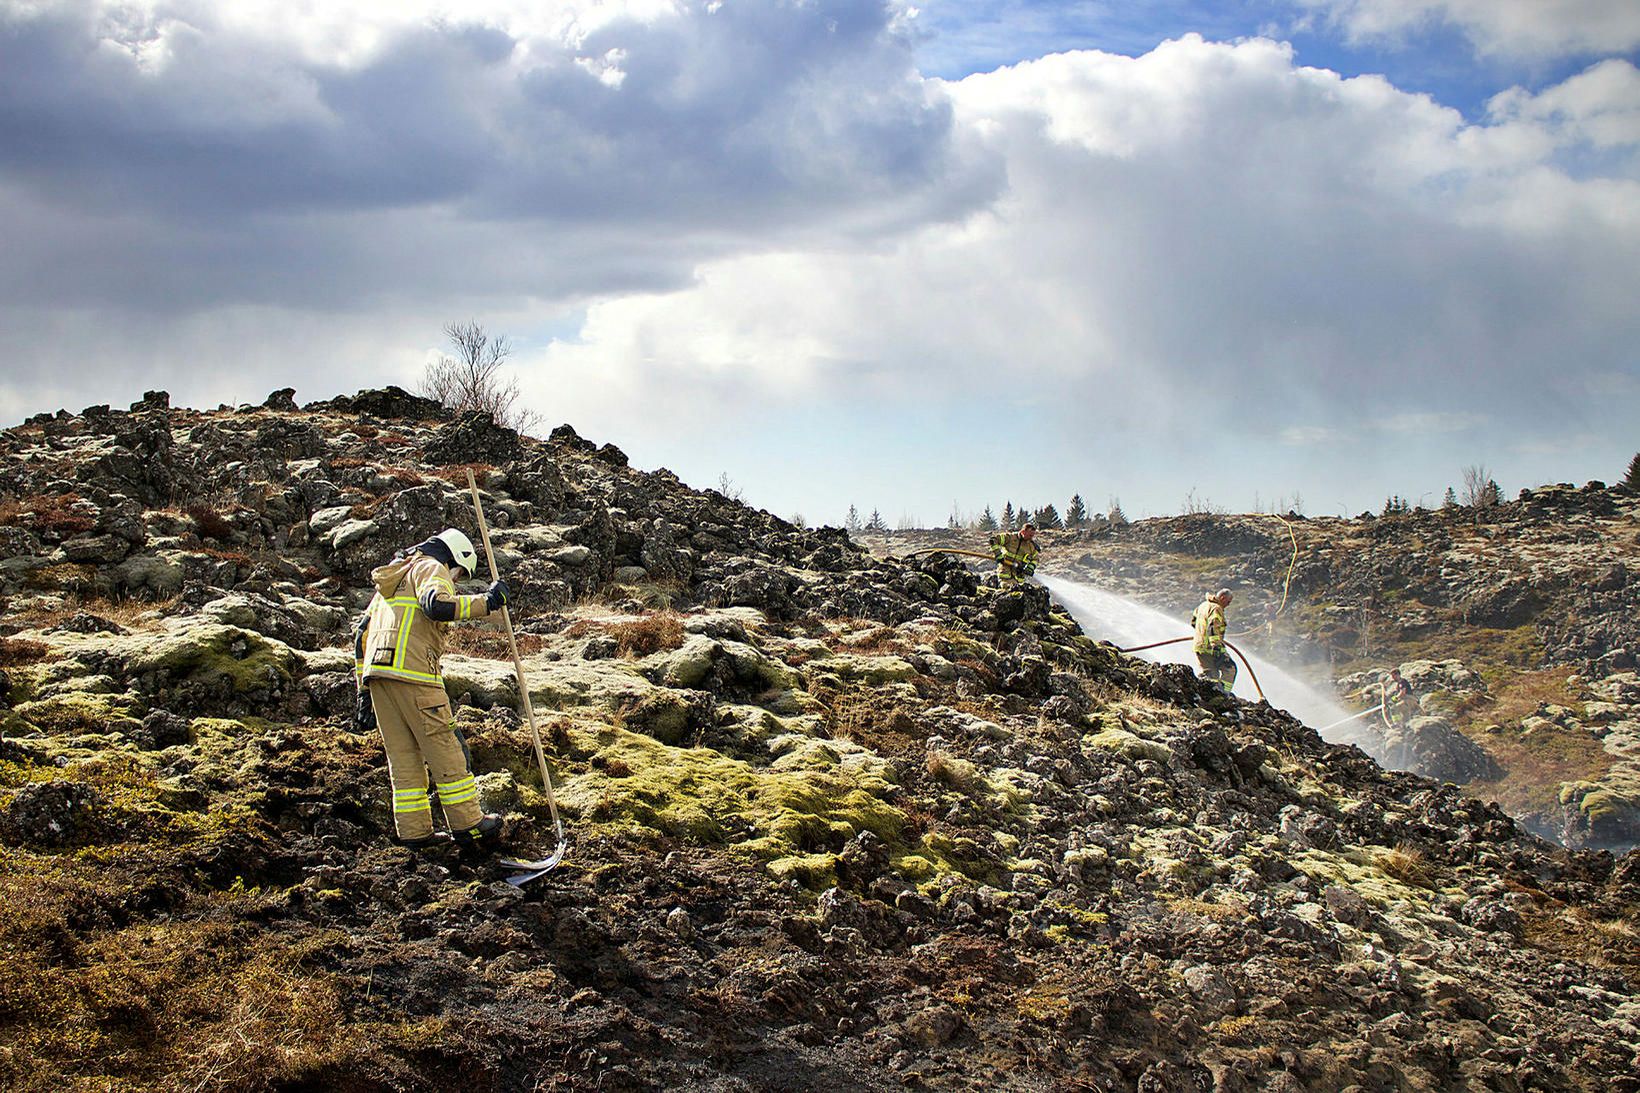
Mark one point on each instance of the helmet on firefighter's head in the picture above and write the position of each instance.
(463, 556)
(1224, 596)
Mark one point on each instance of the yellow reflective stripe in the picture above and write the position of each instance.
(405, 673)
(464, 607)
(411, 800)
(458, 792)
(402, 644)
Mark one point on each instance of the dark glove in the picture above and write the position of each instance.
(364, 712)
(498, 596)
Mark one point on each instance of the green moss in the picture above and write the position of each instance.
(702, 796)
(869, 669)
(1126, 743)
(79, 712)
(813, 871)
(1361, 871)
(211, 653)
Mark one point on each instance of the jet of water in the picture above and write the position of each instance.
(1105, 616)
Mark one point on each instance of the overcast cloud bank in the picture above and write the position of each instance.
(731, 237)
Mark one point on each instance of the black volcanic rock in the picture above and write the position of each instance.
(836, 820)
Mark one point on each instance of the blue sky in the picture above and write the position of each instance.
(1436, 57)
(855, 251)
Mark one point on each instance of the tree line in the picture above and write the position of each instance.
(1011, 518)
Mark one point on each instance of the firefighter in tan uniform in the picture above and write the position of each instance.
(1209, 623)
(398, 646)
(1015, 553)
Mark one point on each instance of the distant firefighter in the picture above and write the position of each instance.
(1398, 701)
(1209, 624)
(1015, 553)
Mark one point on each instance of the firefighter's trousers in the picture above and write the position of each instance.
(414, 721)
(1217, 667)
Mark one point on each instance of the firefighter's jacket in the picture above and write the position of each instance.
(403, 633)
(1015, 555)
(1209, 624)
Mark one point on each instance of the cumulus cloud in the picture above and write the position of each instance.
(1096, 272)
(174, 168)
(1208, 233)
(598, 137)
(1515, 28)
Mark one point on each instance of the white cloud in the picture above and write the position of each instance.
(1426, 422)
(1305, 435)
(1133, 272)
(1517, 28)
(1194, 241)
(627, 141)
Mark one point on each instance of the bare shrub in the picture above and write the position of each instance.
(472, 378)
(210, 523)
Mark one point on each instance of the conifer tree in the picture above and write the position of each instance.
(1450, 501)
(1631, 478)
(1007, 516)
(1114, 513)
(987, 520)
(1076, 513)
(851, 522)
(876, 523)
(1048, 517)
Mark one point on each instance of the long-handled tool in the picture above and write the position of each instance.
(530, 869)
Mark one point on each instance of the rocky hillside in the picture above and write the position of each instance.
(1515, 624)
(838, 821)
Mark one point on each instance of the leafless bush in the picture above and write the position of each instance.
(1196, 505)
(472, 379)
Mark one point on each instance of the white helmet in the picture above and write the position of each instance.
(461, 550)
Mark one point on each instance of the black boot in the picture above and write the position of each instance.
(426, 842)
(487, 832)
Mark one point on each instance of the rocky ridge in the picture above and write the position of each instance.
(1515, 624)
(838, 820)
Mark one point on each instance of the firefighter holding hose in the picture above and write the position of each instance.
(1209, 624)
(1015, 553)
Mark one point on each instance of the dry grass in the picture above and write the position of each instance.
(403, 476)
(15, 652)
(197, 1005)
(456, 474)
(650, 634)
(954, 772)
(1230, 908)
(1521, 694)
(879, 640)
(1573, 932)
(48, 514)
(1409, 865)
(872, 721)
(489, 643)
(1534, 766)
(131, 614)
